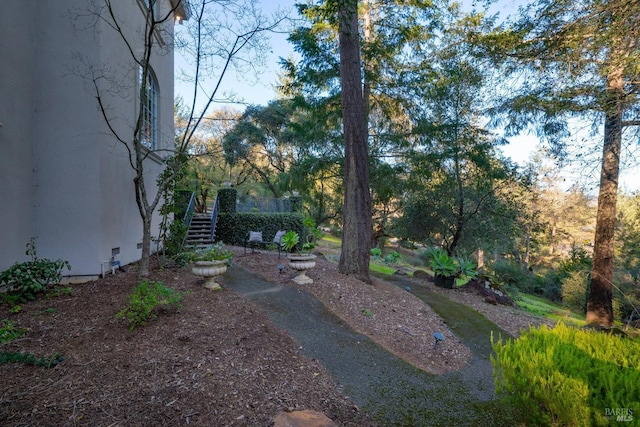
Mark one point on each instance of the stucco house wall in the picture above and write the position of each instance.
(65, 179)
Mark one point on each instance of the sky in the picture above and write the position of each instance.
(261, 91)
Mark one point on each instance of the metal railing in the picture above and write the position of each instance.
(214, 218)
(188, 215)
(258, 204)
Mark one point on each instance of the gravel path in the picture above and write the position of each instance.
(390, 390)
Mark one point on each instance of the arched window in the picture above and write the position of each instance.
(149, 129)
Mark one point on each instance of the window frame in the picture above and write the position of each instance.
(152, 5)
(149, 109)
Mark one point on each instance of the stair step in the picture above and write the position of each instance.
(199, 233)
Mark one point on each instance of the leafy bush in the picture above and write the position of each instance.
(8, 332)
(567, 376)
(569, 282)
(579, 260)
(312, 231)
(392, 257)
(626, 295)
(144, 301)
(574, 291)
(27, 279)
(183, 258)
(174, 242)
(513, 274)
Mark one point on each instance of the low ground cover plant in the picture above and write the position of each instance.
(146, 299)
(9, 332)
(30, 359)
(24, 280)
(568, 376)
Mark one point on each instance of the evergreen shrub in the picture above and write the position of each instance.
(232, 228)
(296, 203)
(574, 291)
(513, 274)
(568, 376)
(227, 200)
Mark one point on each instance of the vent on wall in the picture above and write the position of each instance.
(139, 245)
(115, 252)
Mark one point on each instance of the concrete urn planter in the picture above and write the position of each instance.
(444, 282)
(302, 263)
(209, 270)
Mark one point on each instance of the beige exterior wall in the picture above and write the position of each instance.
(65, 179)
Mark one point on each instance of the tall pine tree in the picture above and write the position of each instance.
(577, 58)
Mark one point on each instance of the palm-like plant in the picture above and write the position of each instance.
(441, 263)
(289, 240)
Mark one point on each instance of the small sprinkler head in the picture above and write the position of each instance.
(439, 337)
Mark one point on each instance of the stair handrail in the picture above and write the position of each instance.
(214, 218)
(188, 215)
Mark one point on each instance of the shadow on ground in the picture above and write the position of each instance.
(391, 391)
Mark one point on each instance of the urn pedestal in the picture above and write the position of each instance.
(209, 270)
(302, 263)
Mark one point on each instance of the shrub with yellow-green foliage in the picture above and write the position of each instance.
(569, 377)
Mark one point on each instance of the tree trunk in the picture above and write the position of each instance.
(599, 304)
(143, 267)
(527, 250)
(480, 260)
(145, 215)
(356, 231)
(459, 214)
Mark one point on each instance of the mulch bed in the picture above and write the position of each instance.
(215, 361)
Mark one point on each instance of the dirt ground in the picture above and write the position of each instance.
(215, 361)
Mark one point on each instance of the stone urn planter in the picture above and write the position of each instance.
(302, 263)
(210, 262)
(209, 270)
(444, 281)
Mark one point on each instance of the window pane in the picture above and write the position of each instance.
(149, 102)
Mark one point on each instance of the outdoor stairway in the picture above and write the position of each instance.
(199, 233)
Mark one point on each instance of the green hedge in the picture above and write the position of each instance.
(227, 200)
(567, 376)
(296, 203)
(232, 228)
